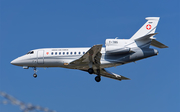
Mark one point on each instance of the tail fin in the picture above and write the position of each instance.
(148, 28)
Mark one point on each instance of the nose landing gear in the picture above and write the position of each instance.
(34, 75)
(35, 71)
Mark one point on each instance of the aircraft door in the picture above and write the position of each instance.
(40, 57)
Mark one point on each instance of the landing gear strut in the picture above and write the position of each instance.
(35, 71)
(98, 77)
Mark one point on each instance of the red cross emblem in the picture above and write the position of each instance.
(47, 53)
(148, 27)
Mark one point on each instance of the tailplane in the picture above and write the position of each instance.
(144, 36)
(158, 44)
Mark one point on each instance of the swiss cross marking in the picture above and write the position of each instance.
(47, 53)
(148, 27)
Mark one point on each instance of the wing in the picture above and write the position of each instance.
(93, 55)
(108, 74)
(111, 75)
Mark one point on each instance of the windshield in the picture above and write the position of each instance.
(30, 52)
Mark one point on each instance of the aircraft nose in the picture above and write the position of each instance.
(15, 62)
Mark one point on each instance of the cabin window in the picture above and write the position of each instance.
(55, 53)
(63, 53)
(67, 53)
(59, 53)
(71, 53)
(52, 53)
(31, 52)
(79, 52)
(74, 52)
(83, 52)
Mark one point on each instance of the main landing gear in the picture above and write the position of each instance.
(98, 77)
(35, 71)
(90, 71)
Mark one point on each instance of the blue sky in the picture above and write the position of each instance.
(31, 24)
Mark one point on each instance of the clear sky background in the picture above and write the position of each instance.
(32, 24)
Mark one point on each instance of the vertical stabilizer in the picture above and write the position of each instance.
(148, 28)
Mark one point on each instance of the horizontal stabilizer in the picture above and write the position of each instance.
(146, 36)
(158, 44)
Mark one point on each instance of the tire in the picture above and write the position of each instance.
(98, 78)
(34, 75)
(90, 71)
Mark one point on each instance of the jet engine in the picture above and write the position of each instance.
(117, 46)
(116, 50)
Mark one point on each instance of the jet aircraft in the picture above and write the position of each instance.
(94, 60)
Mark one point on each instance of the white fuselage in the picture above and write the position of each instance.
(59, 57)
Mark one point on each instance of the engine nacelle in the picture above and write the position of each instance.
(116, 46)
(116, 50)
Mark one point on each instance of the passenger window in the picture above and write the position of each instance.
(52, 53)
(55, 53)
(83, 52)
(59, 53)
(74, 52)
(79, 52)
(63, 53)
(67, 53)
(71, 53)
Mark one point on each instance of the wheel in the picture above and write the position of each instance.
(90, 71)
(98, 78)
(34, 75)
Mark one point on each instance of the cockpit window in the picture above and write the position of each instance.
(30, 52)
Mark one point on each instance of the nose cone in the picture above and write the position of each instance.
(22, 61)
(15, 62)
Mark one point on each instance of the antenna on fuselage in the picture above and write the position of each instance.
(116, 37)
